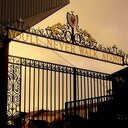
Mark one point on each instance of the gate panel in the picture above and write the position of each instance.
(41, 91)
(92, 88)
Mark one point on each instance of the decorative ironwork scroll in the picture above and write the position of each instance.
(14, 87)
(69, 33)
(19, 62)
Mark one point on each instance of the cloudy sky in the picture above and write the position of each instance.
(105, 20)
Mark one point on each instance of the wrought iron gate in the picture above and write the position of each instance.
(46, 91)
(42, 91)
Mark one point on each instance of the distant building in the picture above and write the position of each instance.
(120, 83)
(120, 91)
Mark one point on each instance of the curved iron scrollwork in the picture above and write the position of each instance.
(18, 61)
(13, 98)
(73, 34)
(68, 33)
(19, 24)
(89, 73)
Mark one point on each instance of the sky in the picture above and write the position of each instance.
(105, 20)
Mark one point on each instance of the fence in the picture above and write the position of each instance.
(39, 90)
(86, 107)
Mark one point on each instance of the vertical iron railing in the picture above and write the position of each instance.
(91, 90)
(74, 84)
(42, 91)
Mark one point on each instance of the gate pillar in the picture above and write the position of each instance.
(4, 50)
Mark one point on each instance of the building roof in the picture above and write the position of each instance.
(31, 11)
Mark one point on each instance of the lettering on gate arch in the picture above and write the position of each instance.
(68, 38)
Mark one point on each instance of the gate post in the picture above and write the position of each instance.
(4, 49)
(74, 80)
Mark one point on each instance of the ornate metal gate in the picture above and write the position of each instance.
(45, 91)
(42, 91)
